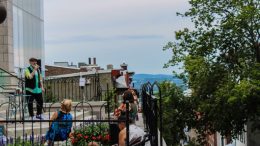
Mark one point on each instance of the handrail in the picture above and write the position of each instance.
(1, 69)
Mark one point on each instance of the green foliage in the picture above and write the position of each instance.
(221, 57)
(110, 97)
(20, 142)
(192, 143)
(177, 113)
(49, 97)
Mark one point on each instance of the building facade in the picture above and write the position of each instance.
(21, 34)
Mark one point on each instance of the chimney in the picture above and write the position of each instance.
(89, 61)
(94, 60)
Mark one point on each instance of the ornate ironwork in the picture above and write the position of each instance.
(152, 109)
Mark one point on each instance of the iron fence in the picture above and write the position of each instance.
(25, 131)
(10, 82)
(152, 112)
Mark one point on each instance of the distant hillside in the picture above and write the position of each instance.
(139, 79)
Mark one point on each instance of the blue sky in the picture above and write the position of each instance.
(113, 31)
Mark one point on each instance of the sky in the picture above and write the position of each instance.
(114, 31)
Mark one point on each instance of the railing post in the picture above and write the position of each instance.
(160, 115)
(155, 121)
(127, 123)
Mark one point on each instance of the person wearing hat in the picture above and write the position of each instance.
(34, 87)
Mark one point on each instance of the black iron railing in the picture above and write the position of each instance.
(26, 131)
(152, 112)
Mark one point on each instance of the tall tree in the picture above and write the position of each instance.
(221, 57)
(177, 113)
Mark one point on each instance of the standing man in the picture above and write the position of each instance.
(34, 87)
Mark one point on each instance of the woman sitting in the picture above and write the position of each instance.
(61, 125)
(132, 106)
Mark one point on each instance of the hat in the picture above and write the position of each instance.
(33, 59)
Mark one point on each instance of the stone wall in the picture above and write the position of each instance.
(6, 38)
(68, 87)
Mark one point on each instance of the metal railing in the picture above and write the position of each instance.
(152, 112)
(29, 131)
(10, 81)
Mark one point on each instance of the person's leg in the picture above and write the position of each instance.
(39, 102)
(30, 103)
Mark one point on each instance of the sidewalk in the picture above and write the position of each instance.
(140, 123)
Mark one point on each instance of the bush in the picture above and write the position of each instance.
(91, 132)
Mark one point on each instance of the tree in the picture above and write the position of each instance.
(177, 113)
(221, 58)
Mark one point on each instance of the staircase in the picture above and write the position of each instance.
(10, 83)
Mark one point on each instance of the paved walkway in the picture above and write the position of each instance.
(140, 123)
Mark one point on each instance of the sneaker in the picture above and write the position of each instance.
(39, 117)
(32, 118)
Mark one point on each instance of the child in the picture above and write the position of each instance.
(60, 128)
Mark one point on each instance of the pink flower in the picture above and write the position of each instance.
(94, 138)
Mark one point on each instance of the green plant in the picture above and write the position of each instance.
(91, 132)
(110, 96)
(49, 97)
(20, 142)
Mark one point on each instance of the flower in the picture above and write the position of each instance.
(79, 135)
(107, 137)
(90, 132)
(99, 137)
(73, 140)
(86, 137)
(94, 138)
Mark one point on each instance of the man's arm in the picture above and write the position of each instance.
(41, 82)
(29, 75)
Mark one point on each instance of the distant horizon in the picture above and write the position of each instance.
(153, 74)
(69, 62)
(130, 31)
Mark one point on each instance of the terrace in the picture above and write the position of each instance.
(92, 106)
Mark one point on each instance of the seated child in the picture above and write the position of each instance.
(60, 128)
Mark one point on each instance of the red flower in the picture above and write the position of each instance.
(73, 141)
(94, 138)
(107, 137)
(86, 137)
(79, 135)
(99, 137)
